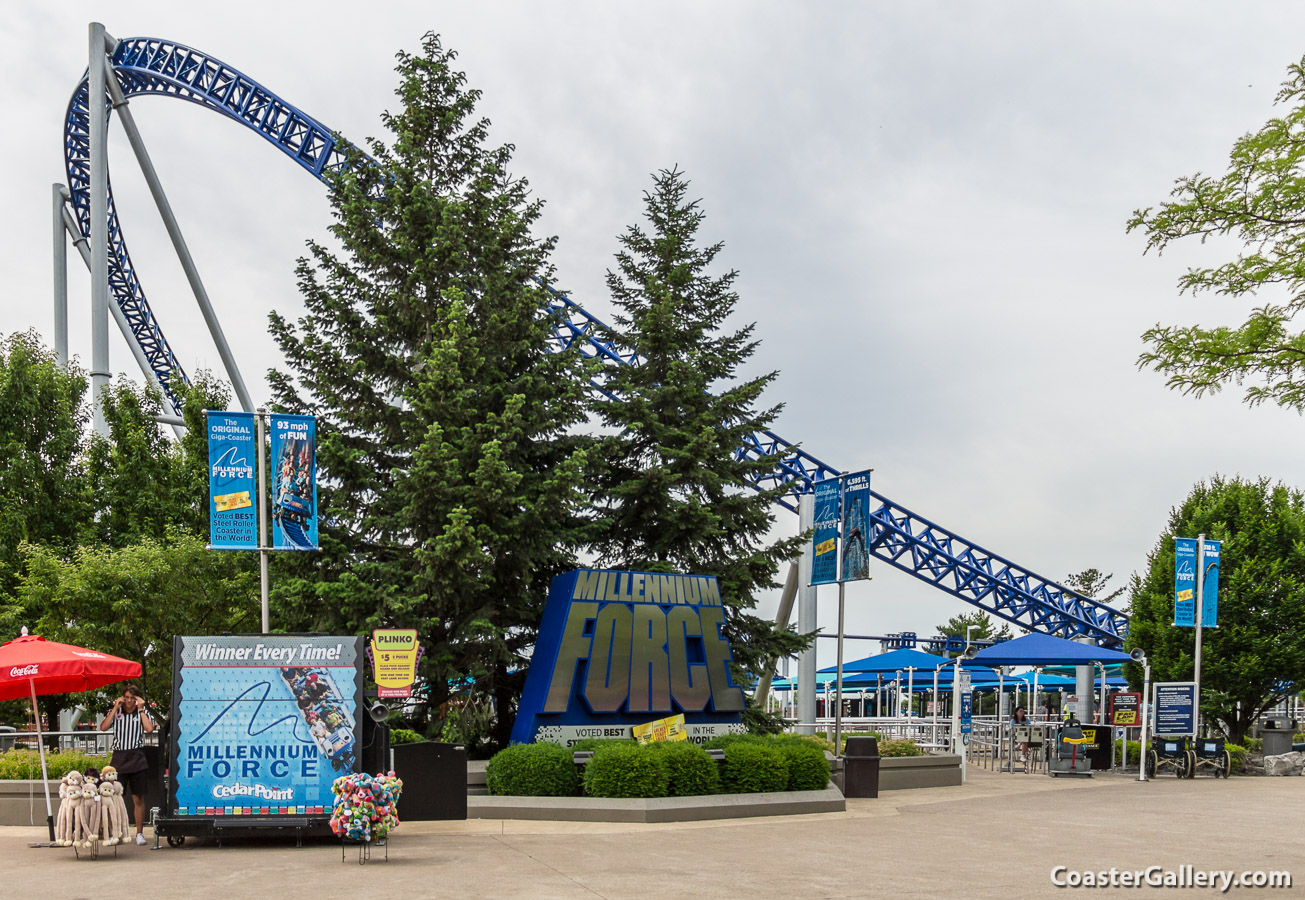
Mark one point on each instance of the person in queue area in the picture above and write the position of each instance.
(130, 723)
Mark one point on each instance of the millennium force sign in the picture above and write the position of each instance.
(618, 649)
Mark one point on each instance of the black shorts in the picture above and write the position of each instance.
(136, 783)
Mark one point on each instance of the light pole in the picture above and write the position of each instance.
(1140, 656)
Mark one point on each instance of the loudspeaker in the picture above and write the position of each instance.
(378, 711)
(1138, 654)
(971, 652)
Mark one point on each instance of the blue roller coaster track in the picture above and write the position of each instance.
(150, 66)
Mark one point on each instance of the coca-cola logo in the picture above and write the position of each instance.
(16, 672)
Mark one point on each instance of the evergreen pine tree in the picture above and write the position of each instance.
(673, 494)
(449, 468)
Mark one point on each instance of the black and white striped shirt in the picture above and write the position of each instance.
(128, 733)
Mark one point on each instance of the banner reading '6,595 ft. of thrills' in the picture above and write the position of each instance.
(294, 482)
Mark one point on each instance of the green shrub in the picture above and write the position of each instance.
(405, 736)
(874, 734)
(691, 772)
(753, 767)
(1297, 738)
(1253, 745)
(624, 769)
(25, 765)
(808, 769)
(1134, 751)
(591, 744)
(722, 741)
(1238, 754)
(902, 747)
(532, 770)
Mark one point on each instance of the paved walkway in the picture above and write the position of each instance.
(998, 836)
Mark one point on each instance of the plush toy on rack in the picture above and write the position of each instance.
(366, 806)
(119, 830)
(70, 797)
(88, 814)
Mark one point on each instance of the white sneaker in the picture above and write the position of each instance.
(140, 840)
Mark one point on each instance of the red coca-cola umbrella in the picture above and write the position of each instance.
(31, 666)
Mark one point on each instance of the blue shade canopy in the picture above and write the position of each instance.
(1045, 650)
(891, 662)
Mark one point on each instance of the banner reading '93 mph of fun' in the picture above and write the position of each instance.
(232, 516)
(294, 482)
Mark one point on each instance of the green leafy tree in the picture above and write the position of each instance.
(450, 470)
(984, 628)
(132, 601)
(672, 495)
(1092, 583)
(143, 483)
(43, 496)
(1258, 202)
(1258, 649)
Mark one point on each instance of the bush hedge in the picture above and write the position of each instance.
(899, 748)
(532, 770)
(1134, 751)
(626, 770)
(405, 736)
(25, 765)
(1238, 754)
(808, 769)
(691, 772)
(752, 767)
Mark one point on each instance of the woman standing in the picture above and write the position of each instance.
(130, 723)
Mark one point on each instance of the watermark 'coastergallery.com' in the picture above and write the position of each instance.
(1184, 876)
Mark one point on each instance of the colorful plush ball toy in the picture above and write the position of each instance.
(365, 806)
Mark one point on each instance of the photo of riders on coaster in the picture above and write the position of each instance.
(294, 481)
(320, 703)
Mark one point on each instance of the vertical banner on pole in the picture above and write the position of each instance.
(1185, 582)
(1210, 586)
(231, 452)
(856, 527)
(294, 482)
(824, 539)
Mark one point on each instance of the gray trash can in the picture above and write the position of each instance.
(1277, 735)
(861, 767)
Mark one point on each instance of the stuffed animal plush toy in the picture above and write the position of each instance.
(88, 814)
(108, 831)
(365, 806)
(74, 801)
(62, 822)
(118, 813)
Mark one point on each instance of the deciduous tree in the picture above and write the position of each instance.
(1257, 651)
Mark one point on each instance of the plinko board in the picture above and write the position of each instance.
(263, 724)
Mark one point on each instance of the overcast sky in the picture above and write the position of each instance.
(925, 202)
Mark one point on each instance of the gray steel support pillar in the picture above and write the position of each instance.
(99, 212)
(179, 243)
(169, 416)
(60, 244)
(1084, 687)
(784, 613)
(806, 600)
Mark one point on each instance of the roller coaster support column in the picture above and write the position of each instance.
(178, 242)
(1084, 687)
(781, 621)
(99, 212)
(58, 192)
(169, 416)
(806, 597)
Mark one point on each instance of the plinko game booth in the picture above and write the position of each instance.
(263, 725)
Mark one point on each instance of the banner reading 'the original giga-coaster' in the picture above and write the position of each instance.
(232, 516)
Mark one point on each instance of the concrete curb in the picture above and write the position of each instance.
(657, 809)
